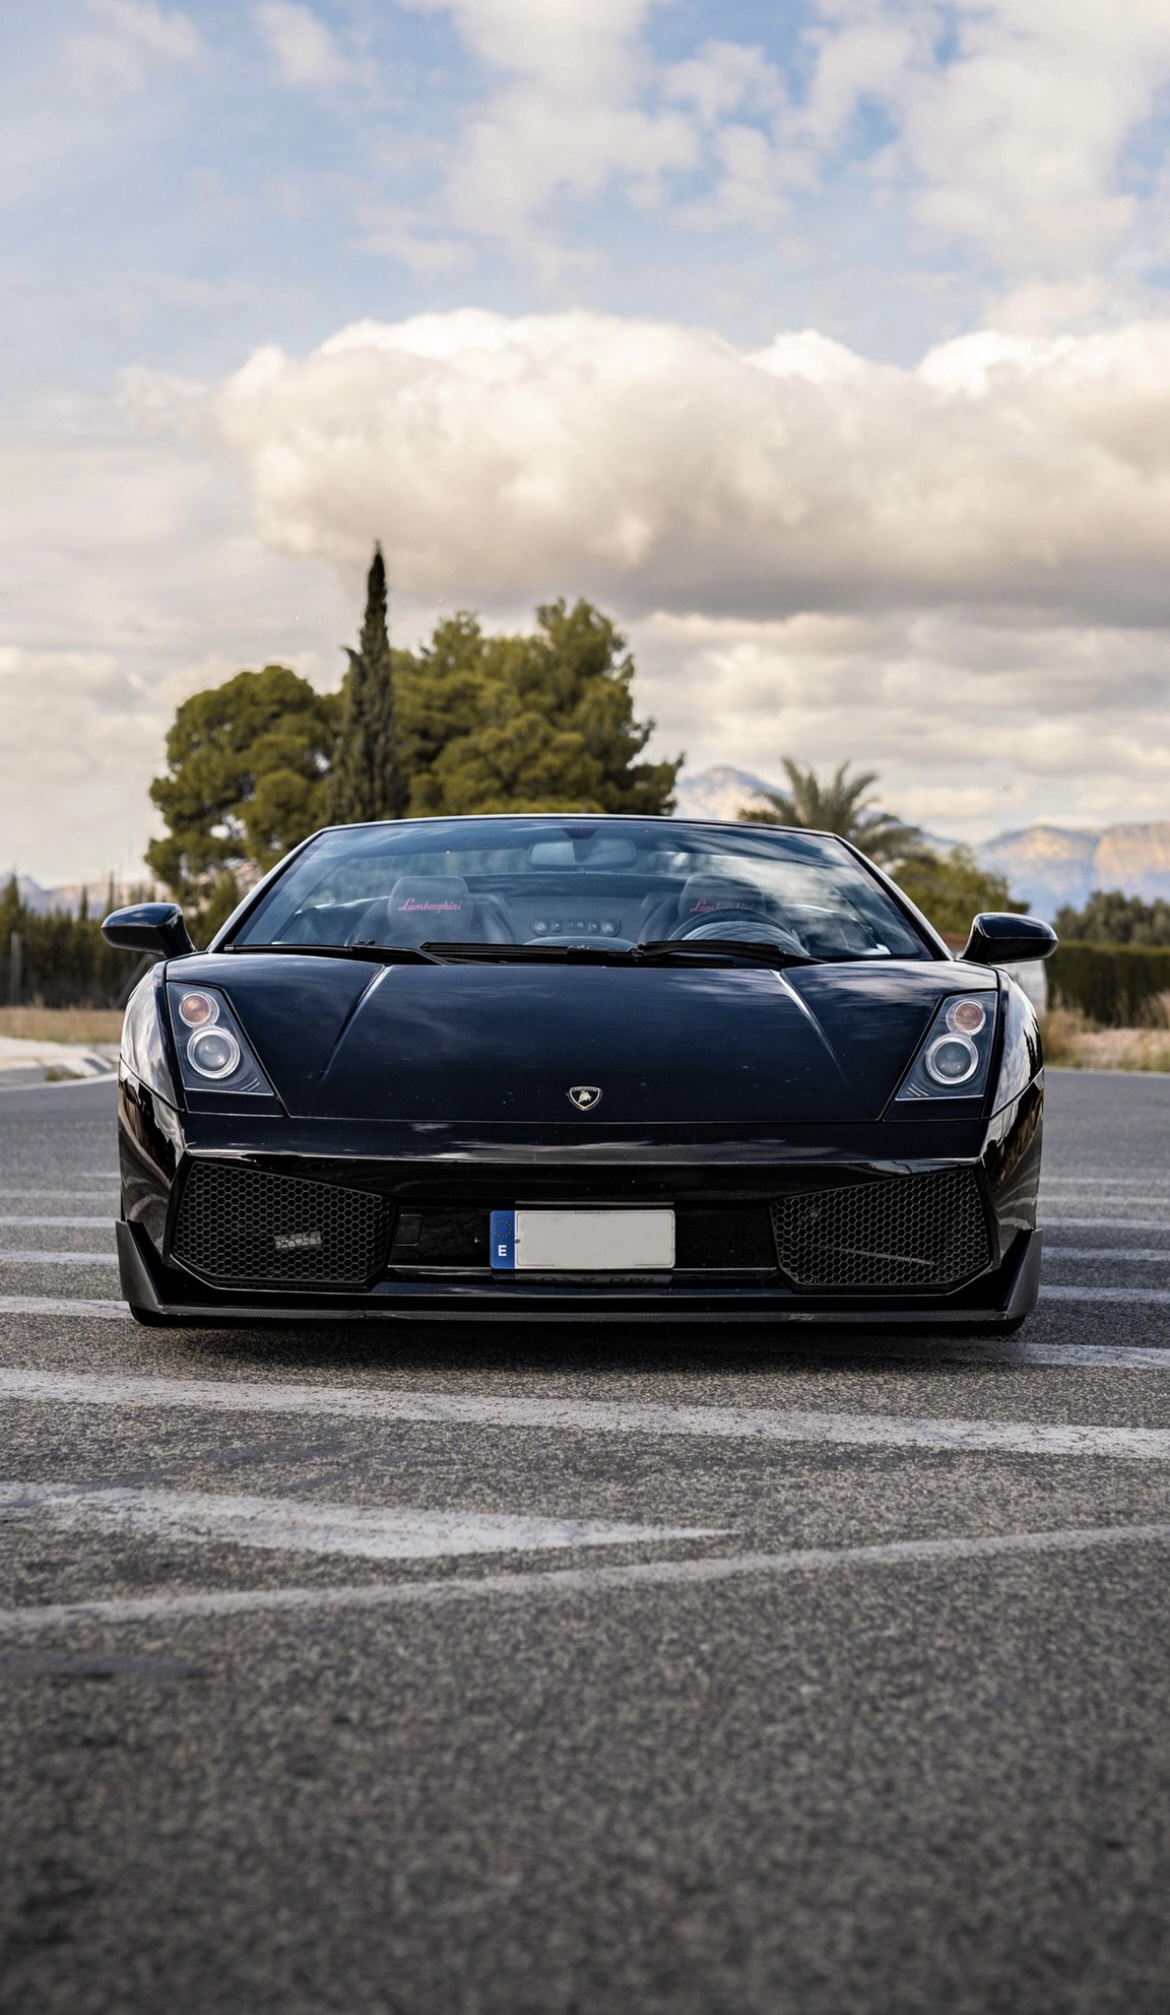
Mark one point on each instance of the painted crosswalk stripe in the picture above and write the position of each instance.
(299, 1525)
(62, 1304)
(588, 1416)
(60, 1223)
(574, 1581)
(1108, 1223)
(1159, 1297)
(30, 1256)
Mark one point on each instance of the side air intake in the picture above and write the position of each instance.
(927, 1231)
(242, 1227)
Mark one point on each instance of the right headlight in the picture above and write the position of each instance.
(214, 1054)
(955, 1059)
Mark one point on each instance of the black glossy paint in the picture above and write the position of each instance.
(444, 1088)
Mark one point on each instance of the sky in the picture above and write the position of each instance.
(826, 346)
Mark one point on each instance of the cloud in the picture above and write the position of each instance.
(660, 467)
(134, 40)
(303, 47)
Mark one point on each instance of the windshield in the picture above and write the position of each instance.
(609, 883)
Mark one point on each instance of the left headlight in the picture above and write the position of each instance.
(214, 1054)
(955, 1059)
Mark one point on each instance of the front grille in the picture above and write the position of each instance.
(925, 1231)
(241, 1225)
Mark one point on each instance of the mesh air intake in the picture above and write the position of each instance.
(241, 1226)
(926, 1231)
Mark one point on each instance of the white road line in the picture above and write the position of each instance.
(299, 1525)
(587, 1416)
(1155, 1253)
(1050, 1179)
(1134, 1357)
(29, 1256)
(61, 1304)
(1108, 1223)
(573, 1580)
(1159, 1296)
(59, 1195)
(61, 1223)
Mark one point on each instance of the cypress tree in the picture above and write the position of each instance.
(367, 781)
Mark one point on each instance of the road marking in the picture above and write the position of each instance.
(1109, 1223)
(1153, 1254)
(588, 1416)
(62, 1223)
(29, 1256)
(59, 1195)
(1157, 1295)
(573, 1580)
(61, 1304)
(299, 1525)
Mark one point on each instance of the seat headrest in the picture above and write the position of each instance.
(704, 896)
(435, 898)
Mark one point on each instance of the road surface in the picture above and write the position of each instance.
(441, 1673)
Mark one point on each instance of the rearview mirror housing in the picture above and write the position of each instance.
(149, 927)
(998, 939)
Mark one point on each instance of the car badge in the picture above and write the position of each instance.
(585, 1096)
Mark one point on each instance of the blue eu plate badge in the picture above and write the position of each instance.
(503, 1240)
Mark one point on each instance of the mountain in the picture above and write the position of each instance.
(66, 898)
(717, 793)
(1045, 865)
(1051, 865)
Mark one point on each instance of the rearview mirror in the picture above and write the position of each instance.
(1000, 940)
(149, 927)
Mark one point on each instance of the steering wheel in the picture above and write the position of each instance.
(742, 927)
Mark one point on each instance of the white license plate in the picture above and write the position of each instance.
(582, 1241)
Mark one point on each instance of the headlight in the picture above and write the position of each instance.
(143, 1052)
(214, 1052)
(955, 1059)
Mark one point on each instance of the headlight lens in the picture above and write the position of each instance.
(952, 1059)
(955, 1059)
(213, 1052)
(198, 1010)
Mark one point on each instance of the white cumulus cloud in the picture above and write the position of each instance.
(302, 46)
(659, 466)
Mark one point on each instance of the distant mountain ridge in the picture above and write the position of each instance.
(1045, 865)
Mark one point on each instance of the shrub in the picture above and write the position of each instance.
(1116, 986)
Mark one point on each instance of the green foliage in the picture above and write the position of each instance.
(368, 780)
(952, 888)
(1110, 917)
(247, 777)
(840, 804)
(65, 960)
(527, 723)
(1114, 985)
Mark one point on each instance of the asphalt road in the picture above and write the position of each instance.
(433, 1671)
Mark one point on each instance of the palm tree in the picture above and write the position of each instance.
(838, 805)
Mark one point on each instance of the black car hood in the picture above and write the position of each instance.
(443, 1044)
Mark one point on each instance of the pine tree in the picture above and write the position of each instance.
(367, 781)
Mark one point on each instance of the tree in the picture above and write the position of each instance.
(247, 777)
(1110, 917)
(952, 888)
(527, 723)
(838, 805)
(368, 778)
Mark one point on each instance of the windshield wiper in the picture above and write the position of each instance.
(755, 950)
(389, 955)
(657, 951)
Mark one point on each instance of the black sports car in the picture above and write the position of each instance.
(579, 1066)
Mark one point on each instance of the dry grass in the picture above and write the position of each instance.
(1073, 1042)
(39, 1024)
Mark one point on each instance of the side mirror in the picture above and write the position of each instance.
(149, 927)
(1000, 940)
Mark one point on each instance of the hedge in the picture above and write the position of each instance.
(58, 960)
(1112, 984)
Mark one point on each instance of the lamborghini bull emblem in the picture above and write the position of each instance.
(585, 1096)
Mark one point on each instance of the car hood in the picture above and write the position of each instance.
(444, 1044)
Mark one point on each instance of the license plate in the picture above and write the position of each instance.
(582, 1241)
